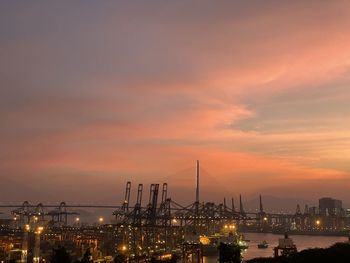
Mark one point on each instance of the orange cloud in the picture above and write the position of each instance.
(257, 94)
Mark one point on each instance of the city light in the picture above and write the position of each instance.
(39, 230)
(166, 257)
(100, 220)
(204, 240)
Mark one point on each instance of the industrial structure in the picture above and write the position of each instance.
(160, 226)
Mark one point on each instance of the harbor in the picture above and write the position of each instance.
(164, 230)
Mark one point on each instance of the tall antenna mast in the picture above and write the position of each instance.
(261, 205)
(197, 181)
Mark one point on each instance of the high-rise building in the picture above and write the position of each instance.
(330, 207)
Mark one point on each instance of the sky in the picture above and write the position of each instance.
(96, 93)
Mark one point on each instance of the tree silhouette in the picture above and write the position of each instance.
(87, 258)
(60, 255)
(339, 253)
(229, 253)
(119, 258)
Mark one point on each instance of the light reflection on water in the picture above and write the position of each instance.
(302, 242)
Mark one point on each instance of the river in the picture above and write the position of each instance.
(302, 242)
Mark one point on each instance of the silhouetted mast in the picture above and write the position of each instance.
(197, 182)
(261, 205)
(241, 209)
(233, 205)
(197, 191)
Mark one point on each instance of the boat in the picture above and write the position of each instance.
(286, 246)
(210, 243)
(263, 244)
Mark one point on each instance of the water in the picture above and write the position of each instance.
(302, 242)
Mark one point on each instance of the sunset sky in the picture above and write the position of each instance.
(95, 93)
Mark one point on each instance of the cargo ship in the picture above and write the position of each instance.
(211, 243)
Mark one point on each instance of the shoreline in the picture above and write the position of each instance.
(301, 233)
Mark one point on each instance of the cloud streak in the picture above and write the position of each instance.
(258, 91)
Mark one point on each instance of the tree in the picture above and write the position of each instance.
(87, 257)
(60, 255)
(119, 258)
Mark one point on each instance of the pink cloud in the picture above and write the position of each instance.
(144, 99)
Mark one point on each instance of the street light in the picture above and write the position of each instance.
(100, 220)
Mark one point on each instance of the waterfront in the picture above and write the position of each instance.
(302, 242)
